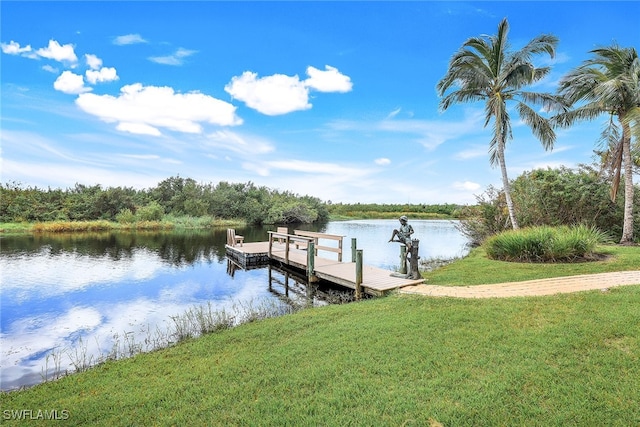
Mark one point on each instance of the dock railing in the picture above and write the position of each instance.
(318, 236)
(287, 240)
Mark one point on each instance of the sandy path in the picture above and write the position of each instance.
(556, 285)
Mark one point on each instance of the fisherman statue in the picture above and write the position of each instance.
(403, 234)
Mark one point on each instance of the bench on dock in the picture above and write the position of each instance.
(282, 230)
(233, 239)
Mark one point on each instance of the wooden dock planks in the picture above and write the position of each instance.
(376, 281)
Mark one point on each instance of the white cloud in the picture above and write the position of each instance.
(382, 161)
(471, 153)
(241, 144)
(128, 39)
(93, 61)
(271, 95)
(256, 168)
(144, 110)
(13, 48)
(55, 51)
(466, 185)
(175, 59)
(322, 168)
(50, 69)
(105, 74)
(71, 83)
(330, 80)
(394, 113)
(281, 94)
(429, 134)
(138, 129)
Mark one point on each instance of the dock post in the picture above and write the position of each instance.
(403, 259)
(286, 250)
(353, 249)
(415, 274)
(358, 274)
(311, 252)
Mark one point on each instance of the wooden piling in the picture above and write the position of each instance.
(414, 274)
(359, 265)
(403, 259)
(311, 258)
(353, 249)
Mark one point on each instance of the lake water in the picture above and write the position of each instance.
(75, 298)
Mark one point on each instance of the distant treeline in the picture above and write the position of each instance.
(415, 211)
(175, 196)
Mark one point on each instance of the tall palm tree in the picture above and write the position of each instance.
(485, 69)
(608, 84)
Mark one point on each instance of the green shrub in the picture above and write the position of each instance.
(551, 197)
(151, 212)
(125, 216)
(546, 244)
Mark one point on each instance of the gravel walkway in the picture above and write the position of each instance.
(557, 285)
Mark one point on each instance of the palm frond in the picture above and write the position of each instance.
(545, 43)
(586, 112)
(460, 96)
(540, 126)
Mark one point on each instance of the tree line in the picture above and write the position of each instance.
(414, 211)
(175, 196)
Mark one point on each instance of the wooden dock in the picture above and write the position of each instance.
(293, 250)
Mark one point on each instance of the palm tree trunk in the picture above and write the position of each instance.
(627, 227)
(507, 186)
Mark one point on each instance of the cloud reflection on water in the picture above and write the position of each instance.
(79, 306)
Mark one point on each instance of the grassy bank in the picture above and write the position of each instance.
(168, 223)
(402, 360)
(477, 269)
(562, 360)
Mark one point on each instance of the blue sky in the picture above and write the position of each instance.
(332, 99)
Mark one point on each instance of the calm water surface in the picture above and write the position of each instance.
(78, 296)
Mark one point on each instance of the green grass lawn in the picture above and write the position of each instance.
(397, 361)
(477, 269)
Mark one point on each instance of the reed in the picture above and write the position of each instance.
(72, 226)
(195, 322)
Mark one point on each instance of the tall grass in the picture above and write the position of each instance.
(98, 225)
(546, 244)
(168, 222)
(204, 319)
(195, 322)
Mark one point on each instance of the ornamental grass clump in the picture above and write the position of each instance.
(546, 244)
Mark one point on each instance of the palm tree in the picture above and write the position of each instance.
(485, 69)
(608, 84)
